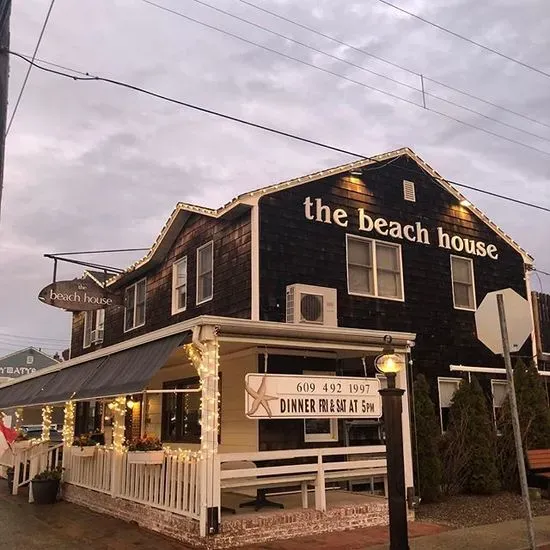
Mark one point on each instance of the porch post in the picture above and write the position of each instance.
(68, 430)
(46, 422)
(204, 354)
(118, 410)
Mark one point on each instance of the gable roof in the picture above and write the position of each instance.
(242, 202)
(19, 358)
(98, 277)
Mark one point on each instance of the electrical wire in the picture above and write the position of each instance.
(424, 92)
(327, 71)
(391, 63)
(540, 271)
(253, 124)
(34, 338)
(18, 101)
(99, 251)
(465, 38)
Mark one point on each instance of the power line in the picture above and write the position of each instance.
(373, 88)
(250, 124)
(355, 65)
(30, 66)
(465, 38)
(34, 338)
(540, 271)
(391, 63)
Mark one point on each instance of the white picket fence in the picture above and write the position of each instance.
(89, 472)
(172, 485)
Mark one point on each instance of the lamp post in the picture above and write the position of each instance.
(390, 364)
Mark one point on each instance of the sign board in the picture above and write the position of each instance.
(301, 396)
(78, 295)
(518, 319)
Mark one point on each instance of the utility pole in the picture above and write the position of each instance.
(5, 13)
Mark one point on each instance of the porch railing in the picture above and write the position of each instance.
(89, 472)
(315, 468)
(172, 485)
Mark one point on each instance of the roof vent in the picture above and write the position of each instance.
(409, 193)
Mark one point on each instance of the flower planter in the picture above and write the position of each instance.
(44, 491)
(145, 457)
(83, 452)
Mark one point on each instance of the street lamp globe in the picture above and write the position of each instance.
(389, 363)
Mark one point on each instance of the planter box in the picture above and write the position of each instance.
(44, 491)
(83, 452)
(145, 457)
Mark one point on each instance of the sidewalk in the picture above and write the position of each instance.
(508, 535)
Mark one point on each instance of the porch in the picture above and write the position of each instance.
(196, 489)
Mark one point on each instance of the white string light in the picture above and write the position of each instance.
(46, 422)
(68, 423)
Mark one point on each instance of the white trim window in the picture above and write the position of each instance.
(179, 286)
(499, 391)
(205, 272)
(88, 326)
(134, 305)
(446, 388)
(462, 278)
(320, 429)
(374, 268)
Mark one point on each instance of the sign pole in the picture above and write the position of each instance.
(515, 421)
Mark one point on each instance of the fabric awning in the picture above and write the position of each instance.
(130, 370)
(121, 373)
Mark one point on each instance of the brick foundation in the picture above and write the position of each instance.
(237, 530)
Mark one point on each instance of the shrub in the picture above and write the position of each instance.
(428, 468)
(54, 474)
(470, 443)
(534, 420)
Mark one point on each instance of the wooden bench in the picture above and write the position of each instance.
(538, 464)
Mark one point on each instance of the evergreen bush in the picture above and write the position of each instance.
(534, 420)
(428, 468)
(469, 445)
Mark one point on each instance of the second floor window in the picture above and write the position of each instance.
(374, 268)
(179, 286)
(94, 323)
(134, 306)
(205, 272)
(462, 275)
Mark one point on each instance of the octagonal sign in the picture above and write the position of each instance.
(518, 319)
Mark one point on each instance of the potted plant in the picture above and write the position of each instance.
(84, 446)
(145, 450)
(45, 486)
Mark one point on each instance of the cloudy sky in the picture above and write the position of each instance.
(91, 166)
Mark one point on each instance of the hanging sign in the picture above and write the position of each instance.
(304, 396)
(78, 295)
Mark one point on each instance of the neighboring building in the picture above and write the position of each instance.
(541, 310)
(24, 361)
(393, 244)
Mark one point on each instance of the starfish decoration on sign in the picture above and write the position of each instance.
(261, 399)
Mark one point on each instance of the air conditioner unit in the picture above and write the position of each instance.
(311, 305)
(97, 336)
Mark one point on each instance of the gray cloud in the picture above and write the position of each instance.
(93, 166)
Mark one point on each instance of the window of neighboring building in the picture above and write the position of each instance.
(447, 388)
(499, 389)
(179, 286)
(134, 306)
(462, 275)
(320, 429)
(88, 327)
(100, 321)
(374, 268)
(205, 272)
(181, 412)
